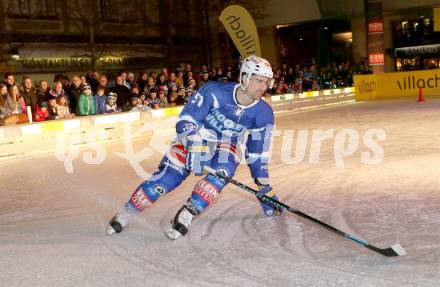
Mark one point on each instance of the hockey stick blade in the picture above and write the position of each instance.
(395, 250)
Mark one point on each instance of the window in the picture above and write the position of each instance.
(18, 8)
(109, 10)
(128, 11)
(120, 11)
(46, 9)
(32, 8)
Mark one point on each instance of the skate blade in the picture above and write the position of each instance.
(110, 230)
(172, 234)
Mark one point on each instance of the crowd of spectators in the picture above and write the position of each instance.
(298, 79)
(99, 93)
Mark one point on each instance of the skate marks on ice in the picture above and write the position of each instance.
(379, 216)
(164, 262)
(233, 260)
(136, 252)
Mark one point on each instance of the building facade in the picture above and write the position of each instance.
(55, 36)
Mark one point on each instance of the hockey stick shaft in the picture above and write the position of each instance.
(395, 250)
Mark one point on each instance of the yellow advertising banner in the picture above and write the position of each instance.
(242, 30)
(53, 126)
(436, 19)
(395, 85)
(365, 87)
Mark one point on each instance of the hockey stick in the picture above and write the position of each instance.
(395, 250)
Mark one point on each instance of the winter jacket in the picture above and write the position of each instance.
(86, 106)
(21, 105)
(39, 116)
(30, 97)
(74, 92)
(123, 95)
(111, 109)
(163, 102)
(100, 104)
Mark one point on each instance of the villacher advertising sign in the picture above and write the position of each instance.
(242, 30)
(400, 84)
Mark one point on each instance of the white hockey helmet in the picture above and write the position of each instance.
(255, 65)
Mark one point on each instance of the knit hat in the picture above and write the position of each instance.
(43, 104)
(85, 87)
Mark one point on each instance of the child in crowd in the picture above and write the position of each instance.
(111, 106)
(133, 103)
(52, 107)
(41, 113)
(145, 102)
(181, 92)
(100, 100)
(86, 104)
(175, 99)
(142, 105)
(163, 99)
(188, 94)
(154, 101)
(62, 108)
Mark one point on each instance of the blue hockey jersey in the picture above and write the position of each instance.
(216, 115)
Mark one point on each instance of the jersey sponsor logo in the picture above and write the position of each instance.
(177, 155)
(140, 200)
(206, 190)
(160, 189)
(189, 127)
(221, 123)
(193, 208)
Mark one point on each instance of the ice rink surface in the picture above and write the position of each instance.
(52, 223)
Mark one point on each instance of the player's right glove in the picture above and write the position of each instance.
(197, 152)
(268, 208)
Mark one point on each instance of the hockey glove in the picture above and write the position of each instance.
(268, 208)
(197, 152)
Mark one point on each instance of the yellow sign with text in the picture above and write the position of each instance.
(242, 30)
(395, 85)
(436, 19)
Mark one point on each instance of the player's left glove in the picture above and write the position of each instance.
(268, 208)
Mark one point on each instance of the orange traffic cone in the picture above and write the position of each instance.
(421, 96)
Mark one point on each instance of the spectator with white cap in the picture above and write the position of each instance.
(86, 104)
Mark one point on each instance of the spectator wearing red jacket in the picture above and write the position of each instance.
(41, 113)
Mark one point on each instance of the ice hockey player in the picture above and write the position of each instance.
(210, 131)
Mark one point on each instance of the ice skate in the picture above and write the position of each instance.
(180, 224)
(118, 223)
